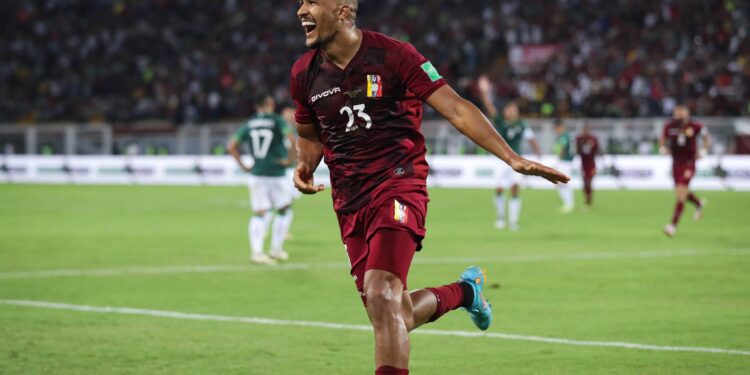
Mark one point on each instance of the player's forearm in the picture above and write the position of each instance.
(309, 153)
(663, 145)
(470, 121)
(293, 148)
(233, 150)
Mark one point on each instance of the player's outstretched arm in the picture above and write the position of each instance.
(470, 121)
(309, 155)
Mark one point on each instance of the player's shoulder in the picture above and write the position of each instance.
(373, 39)
(303, 62)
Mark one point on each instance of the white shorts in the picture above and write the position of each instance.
(565, 167)
(508, 177)
(270, 192)
(296, 194)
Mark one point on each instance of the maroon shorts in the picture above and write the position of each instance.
(683, 173)
(384, 235)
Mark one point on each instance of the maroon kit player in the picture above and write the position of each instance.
(587, 147)
(680, 139)
(359, 107)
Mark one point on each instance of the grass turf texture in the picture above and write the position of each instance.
(701, 300)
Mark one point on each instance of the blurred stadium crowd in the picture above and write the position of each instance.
(193, 61)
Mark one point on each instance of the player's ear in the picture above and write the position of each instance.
(344, 13)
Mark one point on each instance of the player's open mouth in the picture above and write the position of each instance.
(309, 27)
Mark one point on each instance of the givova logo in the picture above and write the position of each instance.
(325, 94)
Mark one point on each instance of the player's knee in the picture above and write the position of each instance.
(383, 299)
(259, 212)
(283, 210)
(499, 191)
(515, 191)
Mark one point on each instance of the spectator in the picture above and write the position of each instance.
(195, 61)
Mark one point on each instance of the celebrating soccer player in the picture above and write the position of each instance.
(514, 130)
(268, 138)
(680, 139)
(359, 106)
(587, 147)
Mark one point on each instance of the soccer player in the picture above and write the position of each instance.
(564, 153)
(587, 147)
(680, 139)
(359, 106)
(268, 138)
(514, 130)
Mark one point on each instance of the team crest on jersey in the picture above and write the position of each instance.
(689, 132)
(400, 212)
(374, 86)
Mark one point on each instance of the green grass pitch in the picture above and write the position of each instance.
(607, 275)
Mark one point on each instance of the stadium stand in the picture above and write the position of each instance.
(192, 61)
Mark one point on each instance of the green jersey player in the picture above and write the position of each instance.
(564, 152)
(268, 139)
(515, 130)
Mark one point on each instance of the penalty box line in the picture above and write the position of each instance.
(227, 268)
(357, 327)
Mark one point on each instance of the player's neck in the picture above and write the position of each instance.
(344, 47)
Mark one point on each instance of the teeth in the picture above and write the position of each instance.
(308, 23)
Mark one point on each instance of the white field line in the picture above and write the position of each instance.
(356, 327)
(220, 268)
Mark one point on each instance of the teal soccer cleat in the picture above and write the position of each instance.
(480, 310)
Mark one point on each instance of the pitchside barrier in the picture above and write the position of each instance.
(614, 172)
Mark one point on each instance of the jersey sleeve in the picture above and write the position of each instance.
(417, 73)
(303, 114)
(242, 134)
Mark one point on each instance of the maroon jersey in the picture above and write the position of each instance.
(369, 114)
(682, 139)
(587, 147)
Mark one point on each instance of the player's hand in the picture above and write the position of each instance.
(484, 84)
(285, 162)
(532, 168)
(663, 150)
(246, 168)
(303, 180)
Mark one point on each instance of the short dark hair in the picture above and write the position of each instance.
(260, 98)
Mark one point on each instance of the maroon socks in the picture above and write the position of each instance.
(694, 200)
(450, 297)
(587, 191)
(388, 370)
(677, 212)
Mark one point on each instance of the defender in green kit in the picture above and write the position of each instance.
(269, 139)
(564, 153)
(515, 130)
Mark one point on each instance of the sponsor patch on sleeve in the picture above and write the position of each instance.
(431, 71)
